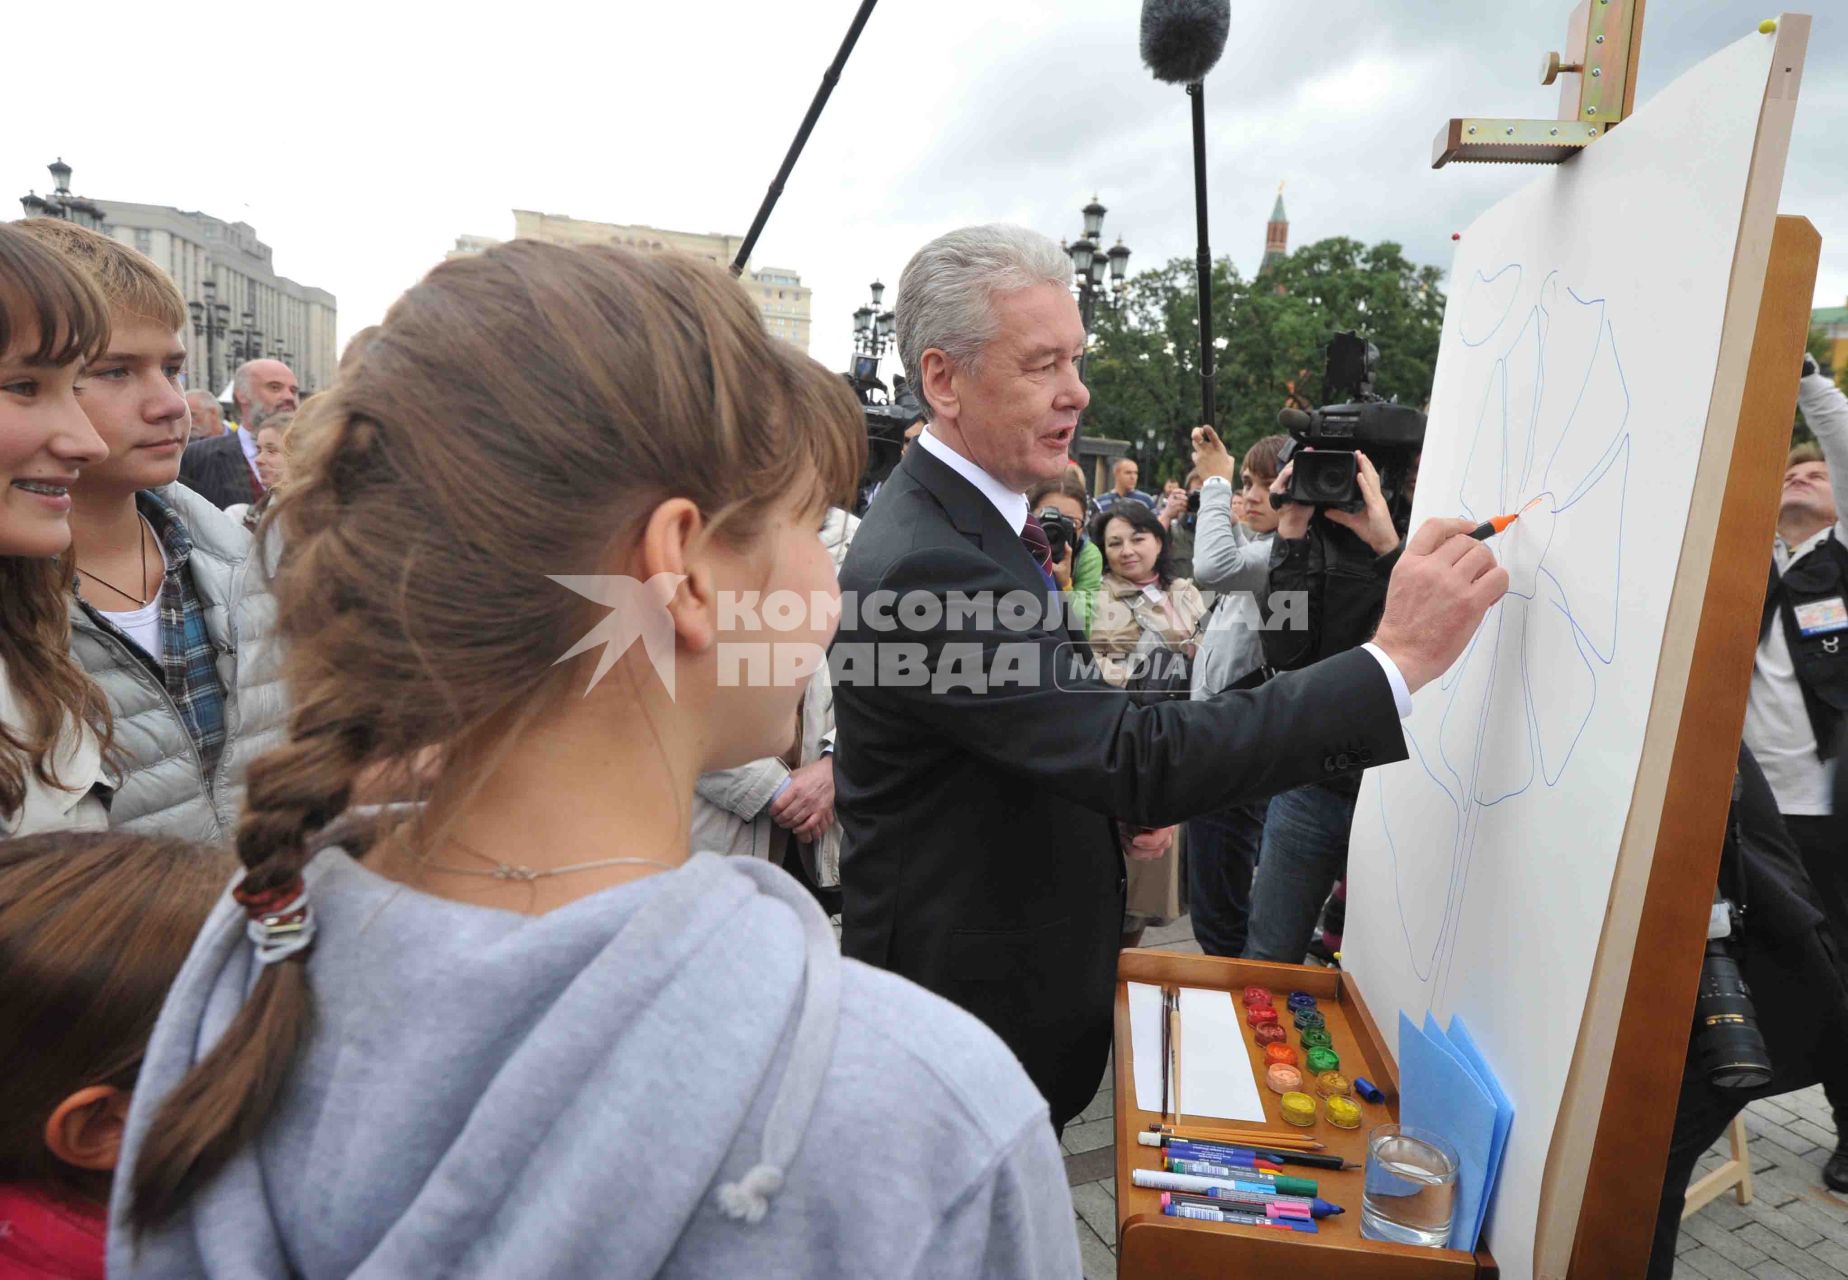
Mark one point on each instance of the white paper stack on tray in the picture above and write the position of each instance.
(1216, 1075)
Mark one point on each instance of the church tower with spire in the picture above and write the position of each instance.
(1276, 233)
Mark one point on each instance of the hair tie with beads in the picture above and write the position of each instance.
(281, 921)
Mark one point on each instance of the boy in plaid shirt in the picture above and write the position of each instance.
(158, 569)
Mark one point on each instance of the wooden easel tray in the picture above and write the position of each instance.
(1152, 1246)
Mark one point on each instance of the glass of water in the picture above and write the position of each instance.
(1411, 1190)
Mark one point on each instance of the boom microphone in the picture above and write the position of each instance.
(1182, 39)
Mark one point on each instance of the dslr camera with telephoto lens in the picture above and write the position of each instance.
(1325, 443)
(1060, 531)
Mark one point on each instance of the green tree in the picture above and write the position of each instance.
(1271, 334)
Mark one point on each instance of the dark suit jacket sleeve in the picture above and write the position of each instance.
(216, 469)
(1070, 733)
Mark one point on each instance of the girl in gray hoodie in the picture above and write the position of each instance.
(515, 1030)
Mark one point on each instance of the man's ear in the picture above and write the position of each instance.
(673, 541)
(85, 1130)
(937, 384)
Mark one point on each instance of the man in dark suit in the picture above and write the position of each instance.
(224, 468)
(981, 799)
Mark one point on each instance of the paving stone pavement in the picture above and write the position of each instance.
(1794, 1229)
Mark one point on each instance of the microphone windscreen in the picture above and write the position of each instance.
(1182, 39)
(1293, 420)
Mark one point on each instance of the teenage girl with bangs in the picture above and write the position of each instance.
(54, 723)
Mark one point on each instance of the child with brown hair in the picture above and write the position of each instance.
(524, 1029)
(93, 929)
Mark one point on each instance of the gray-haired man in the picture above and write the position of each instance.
(981, 803)
(207, 415)
(225, 469)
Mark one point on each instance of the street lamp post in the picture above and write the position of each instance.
(211, 319)
(874, 328)
(1092, 265)
(247, 340)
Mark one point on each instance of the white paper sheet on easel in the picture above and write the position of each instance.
(1216, 1075)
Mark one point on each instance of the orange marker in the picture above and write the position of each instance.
(1495, 524)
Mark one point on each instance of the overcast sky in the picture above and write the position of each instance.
(361, 139)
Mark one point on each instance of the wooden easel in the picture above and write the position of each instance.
(1648, 994)
(1617, 1114)
(1647, 970)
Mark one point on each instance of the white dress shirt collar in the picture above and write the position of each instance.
(1011, 503)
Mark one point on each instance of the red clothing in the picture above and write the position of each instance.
(47, 1237)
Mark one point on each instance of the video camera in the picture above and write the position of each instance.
(1325, 443)
(887, 419)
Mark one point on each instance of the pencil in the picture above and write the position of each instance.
(1174, 1042)
(1269, 1139)
(1167, 1050)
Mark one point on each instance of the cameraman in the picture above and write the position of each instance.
(1788, 958)
(1328, 574)
(1077, 565)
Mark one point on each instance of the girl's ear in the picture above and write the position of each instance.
(85, 1130)
(672, 542)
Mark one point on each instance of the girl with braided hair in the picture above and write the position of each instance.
(53, 720)
(518, 1029)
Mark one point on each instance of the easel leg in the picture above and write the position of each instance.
(1742, 1158)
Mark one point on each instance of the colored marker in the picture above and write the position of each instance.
(1255, 1179)
(1495, 524)
(1214, 1155)
(1368, 1090)
(1203, 1213)
(1218, 1188)
(1276, 1207)
(1199, 1149)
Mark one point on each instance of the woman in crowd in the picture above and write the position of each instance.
(53, 719)
(1145, 617)
(272, 468)
(76, 1020)
(519, 1030)
(1079, 572)
(1143, 631)
(1232, 559)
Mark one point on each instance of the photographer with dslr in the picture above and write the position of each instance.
(1077, 564)
(1772, 1012)
(1340, 527)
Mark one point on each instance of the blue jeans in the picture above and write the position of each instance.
(1304, 852)
(1222, 849)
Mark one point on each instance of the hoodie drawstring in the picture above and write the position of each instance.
(810, 1050)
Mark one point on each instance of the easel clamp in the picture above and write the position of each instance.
(1603, 38)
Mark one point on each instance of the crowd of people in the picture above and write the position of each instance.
(348, 932)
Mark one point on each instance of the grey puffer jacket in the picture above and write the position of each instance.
(163, 789)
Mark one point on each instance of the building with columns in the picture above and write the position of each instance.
(777, 292)
(1276, 233)
(241, 309)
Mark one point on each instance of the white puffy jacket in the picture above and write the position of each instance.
(163, 787)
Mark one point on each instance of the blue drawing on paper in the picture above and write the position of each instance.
(1550, 437)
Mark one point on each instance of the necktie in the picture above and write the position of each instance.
(1033, 538)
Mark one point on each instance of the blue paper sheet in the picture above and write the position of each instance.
(1465, 1045)
(1438, 1092)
